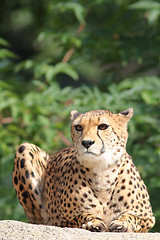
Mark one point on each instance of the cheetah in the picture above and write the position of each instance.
(93, 185)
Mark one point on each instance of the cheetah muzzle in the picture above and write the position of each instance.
(93, 185)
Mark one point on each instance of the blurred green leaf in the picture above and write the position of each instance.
(152, 7)
(145, 4)
(3, 42)
(52, 71)
(77, 8)
(153, 15)
(5, 53)
(24, 65)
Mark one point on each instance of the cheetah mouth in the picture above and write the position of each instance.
(89, 153)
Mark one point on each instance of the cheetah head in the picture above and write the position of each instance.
(99, 136)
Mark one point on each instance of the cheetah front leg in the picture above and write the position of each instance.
(128, 222)
(90, 222)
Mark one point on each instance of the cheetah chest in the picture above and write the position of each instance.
(103, 183)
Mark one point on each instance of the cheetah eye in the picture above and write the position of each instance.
(103, 126)
(78, 128)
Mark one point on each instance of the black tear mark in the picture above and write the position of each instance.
(103, 146)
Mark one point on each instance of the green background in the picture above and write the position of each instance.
(57, 56)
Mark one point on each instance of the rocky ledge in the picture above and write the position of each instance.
(14, 230)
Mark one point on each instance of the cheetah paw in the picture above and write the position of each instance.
(95, 226)
(119, 226)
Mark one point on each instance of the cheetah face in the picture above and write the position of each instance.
(100, 136)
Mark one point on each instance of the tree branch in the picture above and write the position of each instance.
(70, 52)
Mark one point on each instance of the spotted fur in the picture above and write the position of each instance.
(93, 185)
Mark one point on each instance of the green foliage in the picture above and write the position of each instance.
(82, 55)
(152, 8)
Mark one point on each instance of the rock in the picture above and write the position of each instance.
(14, 230)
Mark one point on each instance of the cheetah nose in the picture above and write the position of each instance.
(87, 143)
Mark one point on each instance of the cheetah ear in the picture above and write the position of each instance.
(127, 113)
(74, 114)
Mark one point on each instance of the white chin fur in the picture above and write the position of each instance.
(101, 161)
